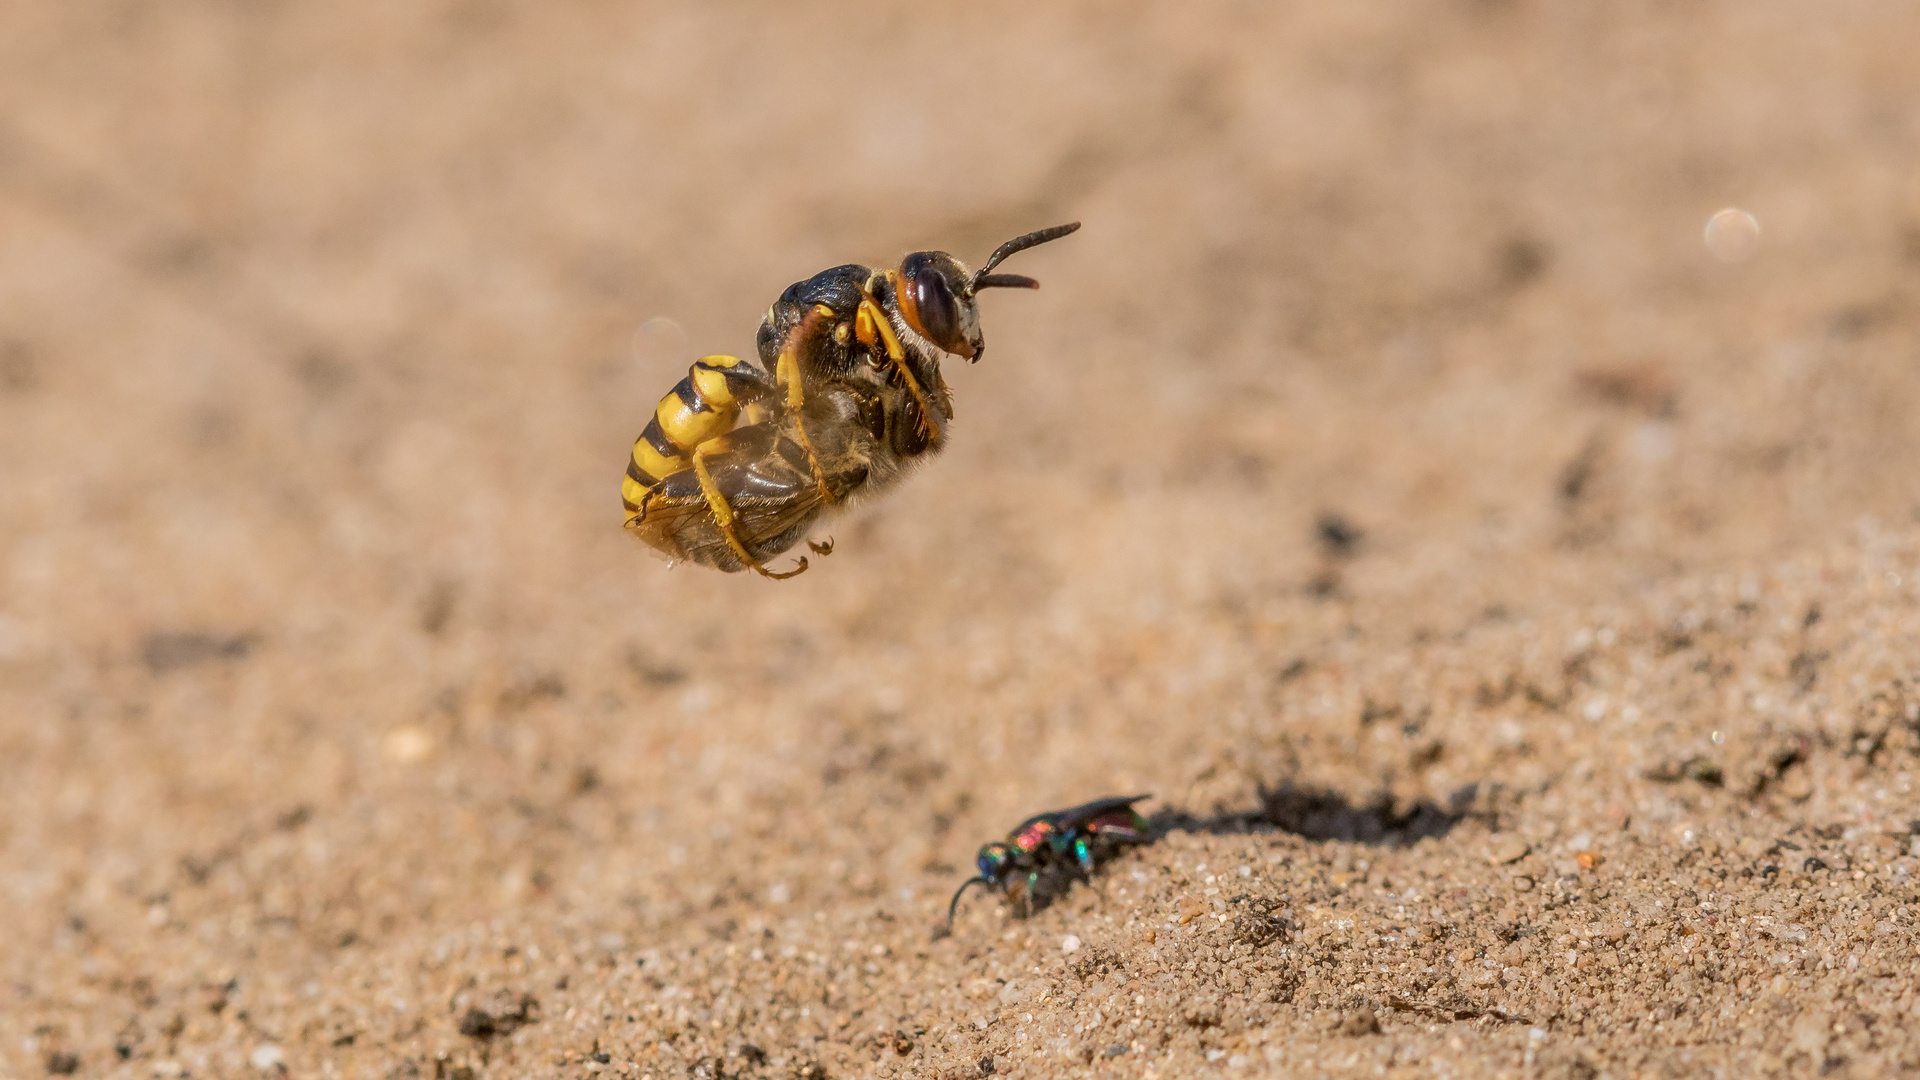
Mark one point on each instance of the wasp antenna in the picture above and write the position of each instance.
(954, 904)
(1004, 281)
(1022, 243)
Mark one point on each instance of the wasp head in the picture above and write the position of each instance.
(994, 860)
(937, 293)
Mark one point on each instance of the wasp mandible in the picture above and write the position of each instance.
(1044, 841)
(739, 461)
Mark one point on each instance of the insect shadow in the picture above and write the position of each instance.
(1323, 814)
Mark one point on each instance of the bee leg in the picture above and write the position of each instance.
(1032, 877)
(723, 517)
(870, 325)
(822, 549)
(1083, 852)
(813, 456)
(786, 372)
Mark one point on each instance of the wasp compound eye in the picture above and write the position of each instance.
(930, 305)
(939, 311)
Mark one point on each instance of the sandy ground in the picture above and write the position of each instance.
(1514, 609)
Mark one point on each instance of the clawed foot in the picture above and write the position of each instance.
(799, 569)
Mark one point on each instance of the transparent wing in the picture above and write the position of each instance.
(773, 503)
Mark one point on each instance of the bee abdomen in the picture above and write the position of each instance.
(700, 407)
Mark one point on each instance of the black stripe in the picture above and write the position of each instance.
(631, 507)
(639, 475)
(690, 397)
(658, 439)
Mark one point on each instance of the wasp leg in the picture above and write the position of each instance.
(822, 549)
(870, 325)
(786, 372)
(1082, 850)
(723, 517)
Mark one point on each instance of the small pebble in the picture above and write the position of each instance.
(1508, 849)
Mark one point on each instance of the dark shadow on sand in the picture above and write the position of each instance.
(1321, 814)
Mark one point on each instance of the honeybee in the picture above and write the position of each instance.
(740, 461)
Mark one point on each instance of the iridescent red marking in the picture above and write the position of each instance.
(1034, 836)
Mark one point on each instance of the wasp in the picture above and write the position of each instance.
(739, 461)
(1045, 841)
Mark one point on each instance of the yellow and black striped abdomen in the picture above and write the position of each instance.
(701, 407)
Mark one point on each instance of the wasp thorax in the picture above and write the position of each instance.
(937, 303)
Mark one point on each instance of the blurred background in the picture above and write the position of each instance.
(325, 330)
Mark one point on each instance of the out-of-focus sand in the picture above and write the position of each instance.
(342, 732)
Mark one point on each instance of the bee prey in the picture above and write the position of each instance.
(739, 461)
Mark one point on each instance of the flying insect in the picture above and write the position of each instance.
(740, 461)
(1061, 838)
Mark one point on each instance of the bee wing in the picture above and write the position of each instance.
(671, 521)
(774, 518)
(682, 526)
(773, 503)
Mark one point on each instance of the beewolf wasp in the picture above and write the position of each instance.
(739, 461)
(1061, 839)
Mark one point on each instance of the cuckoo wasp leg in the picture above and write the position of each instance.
(723, 517)
(1083, 851)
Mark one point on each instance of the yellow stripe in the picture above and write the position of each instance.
(688, 428)
(685, 427)
(632, 490)
(653, 463)
(712, 387)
